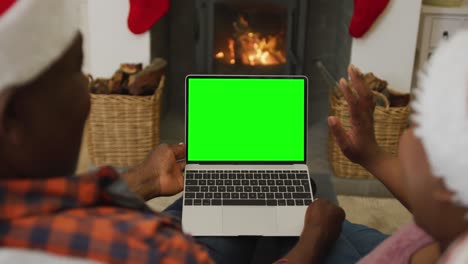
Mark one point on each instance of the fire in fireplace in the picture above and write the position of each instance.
(250, 47)
(250, 37)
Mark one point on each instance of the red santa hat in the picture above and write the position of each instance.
(34, 34)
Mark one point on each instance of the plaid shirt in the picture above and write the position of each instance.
(94, 216)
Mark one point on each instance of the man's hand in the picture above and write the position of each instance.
(322, 226)
(358, 144)
(325, 219)
(160, 174)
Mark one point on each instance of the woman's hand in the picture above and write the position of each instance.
(358, 143)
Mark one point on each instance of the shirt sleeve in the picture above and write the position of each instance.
(177, 247)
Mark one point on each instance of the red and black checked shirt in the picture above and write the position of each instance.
(93, 216)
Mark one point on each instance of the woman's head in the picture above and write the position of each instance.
(434, 153)
(431, 201)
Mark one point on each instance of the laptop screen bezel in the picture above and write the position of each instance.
(217, 76)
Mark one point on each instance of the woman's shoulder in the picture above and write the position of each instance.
(400, 247)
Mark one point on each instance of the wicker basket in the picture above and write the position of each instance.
(123, 129)
(390, 122)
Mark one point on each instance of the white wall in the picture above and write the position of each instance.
(388, 49)
(107, 40)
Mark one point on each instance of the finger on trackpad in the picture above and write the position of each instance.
(249, 221)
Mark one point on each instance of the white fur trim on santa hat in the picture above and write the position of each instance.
(441, 113)
(34, 34)
(457, 253)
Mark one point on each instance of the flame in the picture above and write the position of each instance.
(251, 48)
(232, 53)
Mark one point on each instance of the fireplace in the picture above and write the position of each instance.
(192, 34)
(250, 37)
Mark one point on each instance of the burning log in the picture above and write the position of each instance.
(250, 48)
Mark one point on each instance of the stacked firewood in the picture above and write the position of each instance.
(394, 98)
(131, 79)
(375, 83)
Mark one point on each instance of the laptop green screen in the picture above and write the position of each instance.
(246, 119)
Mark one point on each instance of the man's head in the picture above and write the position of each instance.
(43, 109)
(434, 153)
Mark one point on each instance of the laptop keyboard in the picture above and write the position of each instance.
(247, 187)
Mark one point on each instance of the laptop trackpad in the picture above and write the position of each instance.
(249, 220)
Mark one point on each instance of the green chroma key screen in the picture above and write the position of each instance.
(246, 119)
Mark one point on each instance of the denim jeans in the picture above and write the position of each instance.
(355, 242)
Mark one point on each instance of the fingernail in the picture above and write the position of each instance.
(181, 143)
(355, 69)
(343, 82)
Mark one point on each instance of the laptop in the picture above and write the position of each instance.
(246, 172)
